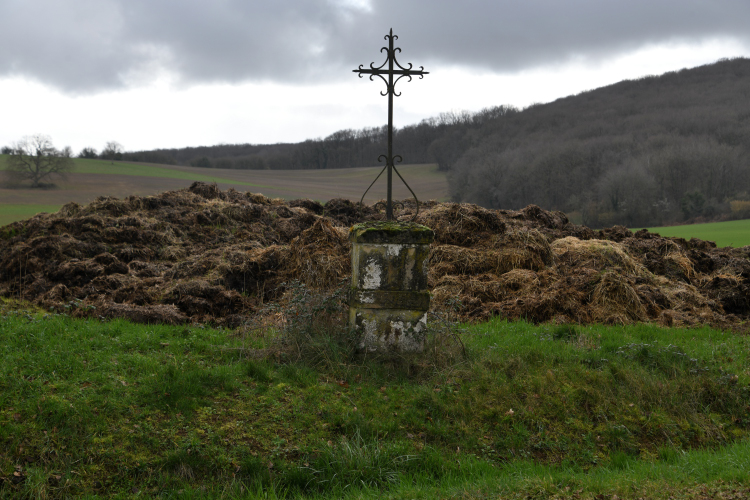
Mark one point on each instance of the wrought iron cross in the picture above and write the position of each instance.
(390, 91)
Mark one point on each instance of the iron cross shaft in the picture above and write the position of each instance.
(391, 69)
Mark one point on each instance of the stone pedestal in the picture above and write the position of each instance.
(389, 298)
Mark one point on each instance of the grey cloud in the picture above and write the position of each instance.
(508, 35)
(88, 45)
(71, 45)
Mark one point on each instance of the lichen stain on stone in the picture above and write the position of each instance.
(409, 337)
(393, 332)
(369, 334)
(372, 278)
(393, 250)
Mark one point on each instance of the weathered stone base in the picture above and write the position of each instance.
(389, 298)
(390, 329)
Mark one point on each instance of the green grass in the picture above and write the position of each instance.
(112, 408)
(106, 167)
(12, 213)
(734, 233)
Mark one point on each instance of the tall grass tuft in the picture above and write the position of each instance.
(314, 330)
(354, 462)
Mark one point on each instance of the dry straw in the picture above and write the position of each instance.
(596, 254)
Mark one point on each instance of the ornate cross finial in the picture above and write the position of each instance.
(382, 71)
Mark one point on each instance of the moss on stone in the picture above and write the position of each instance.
(391, 232)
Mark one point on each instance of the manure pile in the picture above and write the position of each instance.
(211, 256)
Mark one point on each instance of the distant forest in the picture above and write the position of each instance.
(652, 151)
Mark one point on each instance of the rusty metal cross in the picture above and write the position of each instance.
(382, 71)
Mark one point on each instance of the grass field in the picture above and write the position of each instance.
(734, 233)
(113, 409)
(93, 178)
(11, 213)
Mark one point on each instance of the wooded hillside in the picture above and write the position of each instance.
(652, 151)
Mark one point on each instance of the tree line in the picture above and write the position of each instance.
(435, 140)
(34, 158)
(112, 150)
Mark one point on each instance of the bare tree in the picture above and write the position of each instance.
(34, 158)
(112, 151)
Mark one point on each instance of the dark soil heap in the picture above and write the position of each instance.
(205, 255)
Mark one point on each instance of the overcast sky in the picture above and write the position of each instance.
(174, 73)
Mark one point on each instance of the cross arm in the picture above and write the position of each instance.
(386, 72)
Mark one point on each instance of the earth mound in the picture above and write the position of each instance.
(211, 256)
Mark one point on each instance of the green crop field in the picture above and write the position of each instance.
(12, 213)
(734, 233)
(92, 178)
(106, 167)
(114, 410)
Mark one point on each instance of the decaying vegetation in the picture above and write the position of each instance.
(211, 256)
